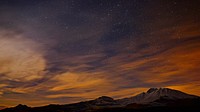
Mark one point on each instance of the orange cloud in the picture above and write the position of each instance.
(190, 88)
(77, 81)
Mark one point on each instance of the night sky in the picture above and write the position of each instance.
(65, 51)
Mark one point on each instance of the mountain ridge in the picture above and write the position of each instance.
(154, 94)
(154, 97)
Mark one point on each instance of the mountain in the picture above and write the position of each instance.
(18, 108)
(105, 101)
(154, 94)
(154, 100)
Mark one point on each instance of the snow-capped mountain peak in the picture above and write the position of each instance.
(154, 94)
(152, 90)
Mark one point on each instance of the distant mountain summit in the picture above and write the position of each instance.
(18, 108)
(154, 94)
(21, 106)
(105, 100)
(152, 90)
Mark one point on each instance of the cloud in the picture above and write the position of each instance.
(19, 58)
(191, 88)
(77, 81)
(84, 85)
(3, 85)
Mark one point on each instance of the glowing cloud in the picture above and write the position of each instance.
(19, 60)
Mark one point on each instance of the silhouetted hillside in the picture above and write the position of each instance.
(154, 100)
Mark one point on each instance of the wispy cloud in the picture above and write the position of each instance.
(19, 58)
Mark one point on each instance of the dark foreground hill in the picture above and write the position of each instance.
(154, 100)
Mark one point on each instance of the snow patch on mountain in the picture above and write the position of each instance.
(154, 94)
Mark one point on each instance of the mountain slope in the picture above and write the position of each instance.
(154, 99)
(154, 94)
